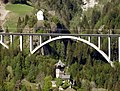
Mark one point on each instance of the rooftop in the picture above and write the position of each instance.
(67, 77)
(60, 64)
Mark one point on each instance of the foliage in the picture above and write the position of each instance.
(58, 82)
(85, 64)
(47, 83)
(37, 69)
(66, 85)
(95, 17)
(18, 1)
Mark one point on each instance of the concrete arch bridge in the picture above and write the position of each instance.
(56, 36)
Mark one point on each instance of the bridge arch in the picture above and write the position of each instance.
(4, 45)
(78, 39)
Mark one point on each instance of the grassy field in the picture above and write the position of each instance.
(19, 9)
(16, 11)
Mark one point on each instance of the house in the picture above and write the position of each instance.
(53, 83)
(60, 71)
(69, 89)
(40, 15)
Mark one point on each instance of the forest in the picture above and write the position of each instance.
(20, 71)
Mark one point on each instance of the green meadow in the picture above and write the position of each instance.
(16, 11)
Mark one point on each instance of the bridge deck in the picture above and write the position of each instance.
(59, 34)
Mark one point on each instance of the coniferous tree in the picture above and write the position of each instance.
(5, 1)
(26, 19)
(69, 57)
(95, 17)
(47, 83)
(19, 25)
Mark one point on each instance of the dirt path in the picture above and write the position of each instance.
(3, 13)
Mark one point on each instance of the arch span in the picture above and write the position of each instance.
(4, 45)
(78, 39)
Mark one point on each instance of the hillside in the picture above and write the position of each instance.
(74, 16)
(88, 70)
(3, 14)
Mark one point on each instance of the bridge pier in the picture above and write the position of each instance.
(40, 39)
(50, 37)
(2, 38)
(109, 48)
(89, 38)
(21, 42)
(42, 50)
(31, 43)
(99, 42)
(79, 37)
(11, 39)
(119, 49)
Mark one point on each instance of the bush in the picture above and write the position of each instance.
(66, 85)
